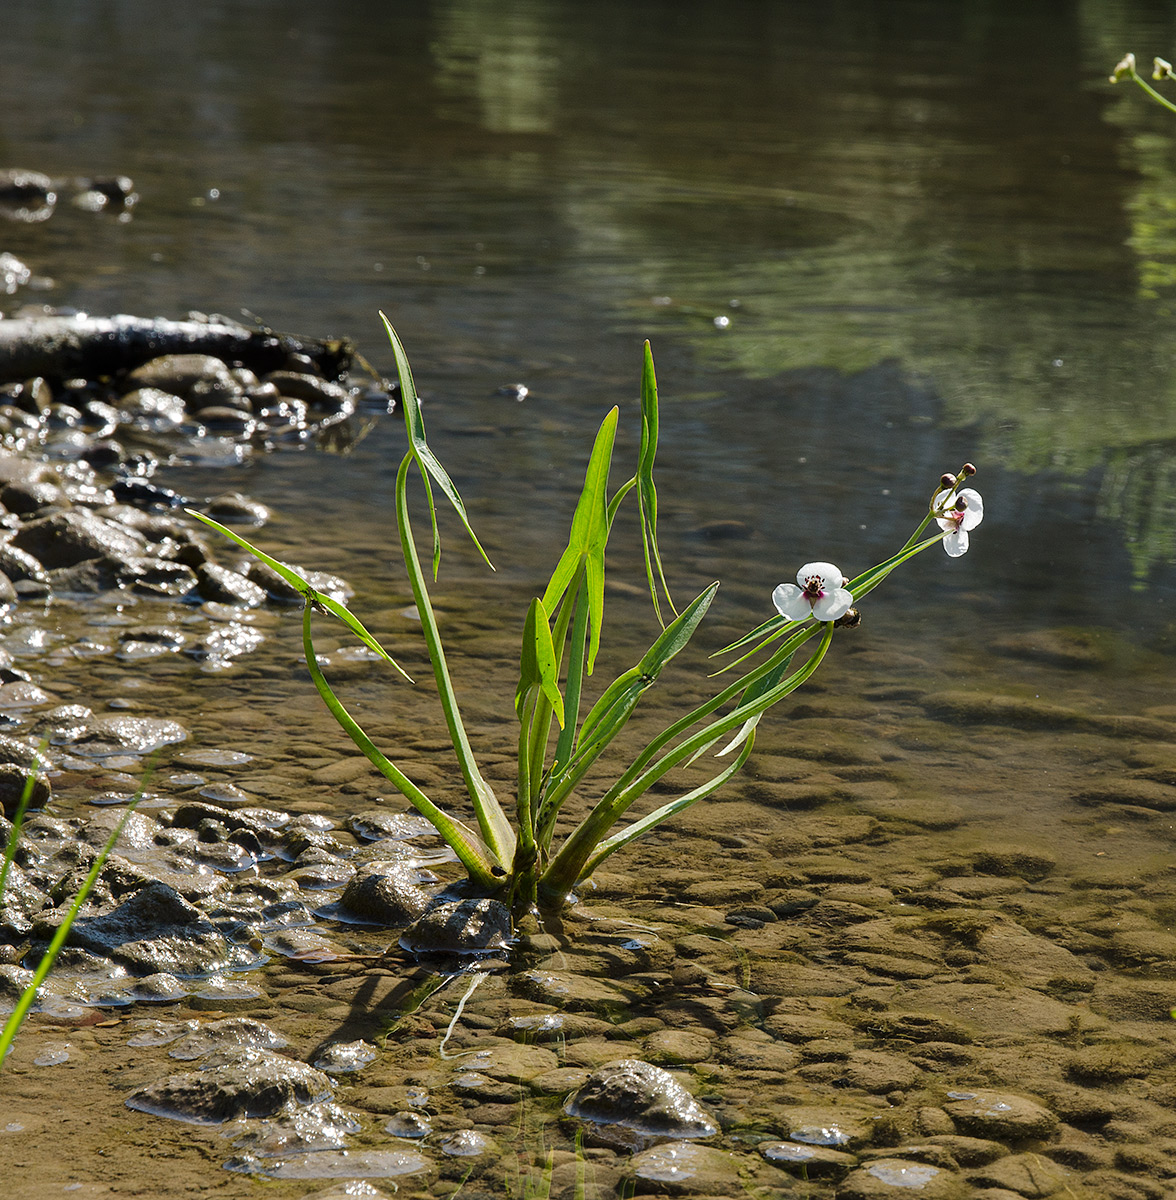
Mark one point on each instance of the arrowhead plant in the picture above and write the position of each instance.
(515, 857)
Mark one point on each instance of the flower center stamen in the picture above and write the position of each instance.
(812, 588)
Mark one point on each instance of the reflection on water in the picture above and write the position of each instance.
(867, 244)
(533, 187)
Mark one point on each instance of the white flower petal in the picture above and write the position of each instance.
(829, 575)
(791, 602)
(974, 513)
(832, 605)
(956, 543)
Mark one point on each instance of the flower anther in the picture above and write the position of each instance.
(957, 513)
(819, 591)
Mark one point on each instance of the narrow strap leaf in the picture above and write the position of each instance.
(639, 828)
(588, 537)
(647, 489)
(319, 599)
(428, 462)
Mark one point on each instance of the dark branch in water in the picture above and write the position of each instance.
(92, 347)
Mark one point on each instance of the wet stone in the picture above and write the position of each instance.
(1014, 860)
(232, 1032)
(177, 373)
(678, 1046)
(22, 695)
(512, 1063)
(154, 930)
(226, 995)
(466, 1143)
(840, 1128)
(108, 736)
(459, 927)
(249, 1083)
(897, 1177)
(223, 586)
(68, 538)
(574, 993)
(376, 824)
(409, 1125)
(319, 393)
(684, 1168)
(385, 894)
(809, 1162)
(351, 1165)
(314, 1128)
(17, 564)
(640, 1097)
(1029, 1175)
(14, 781)
(1001, 1116)
(341, 1058)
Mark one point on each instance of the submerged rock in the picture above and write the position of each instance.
(900, 1177)
(459, 927)
(686, 1167)
(1002, 1116)
(385, 893)
(107, 736)
(245, 1083)
(230, 1033)
(153, 930)
(643, 1098)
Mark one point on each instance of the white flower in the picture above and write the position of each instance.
(957, 513)
(818, 592)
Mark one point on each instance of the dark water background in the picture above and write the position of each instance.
(867, 241)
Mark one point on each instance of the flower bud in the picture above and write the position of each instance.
(968, 470)
(947, 480)
(850, 619)
(1125, 66)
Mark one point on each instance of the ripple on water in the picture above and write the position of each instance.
(213, 758)
(52, 1054)
(335, 1164)
(342, 1057)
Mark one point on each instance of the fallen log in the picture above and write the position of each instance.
(85, 347)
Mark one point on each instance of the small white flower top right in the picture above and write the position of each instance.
(957, 512)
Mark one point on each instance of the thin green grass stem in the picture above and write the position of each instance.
(29, 995)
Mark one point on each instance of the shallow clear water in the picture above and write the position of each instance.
(867, 242)
(932, 234)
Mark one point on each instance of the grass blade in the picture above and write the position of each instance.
(29, 995)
